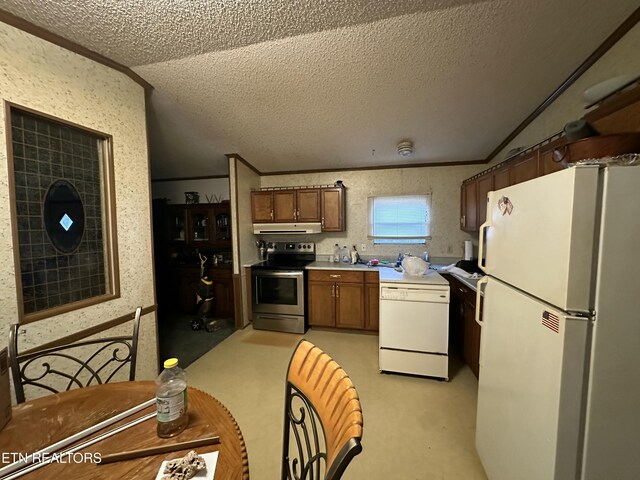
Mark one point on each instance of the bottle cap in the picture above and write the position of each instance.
(170, 363)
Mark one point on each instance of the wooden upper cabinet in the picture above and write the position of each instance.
(485, 185)
(524, 169)
(284, 206)
(292, 205)
(262, 207)
(325, 205)
(469, 214)
(333, 209)
(502, 177)
(308, 205)
(299, 205)
(547, 164)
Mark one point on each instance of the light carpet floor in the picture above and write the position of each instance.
(414, 428)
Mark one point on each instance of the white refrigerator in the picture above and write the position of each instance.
(559, 385)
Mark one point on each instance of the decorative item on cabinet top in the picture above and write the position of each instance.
(298, 209)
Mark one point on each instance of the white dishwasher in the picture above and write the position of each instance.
(414, 329)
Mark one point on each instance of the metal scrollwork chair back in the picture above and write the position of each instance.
(323, 417)
(73, 365)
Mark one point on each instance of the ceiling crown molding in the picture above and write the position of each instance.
(604, 47)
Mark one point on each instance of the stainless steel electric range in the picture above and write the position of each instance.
(278, 288)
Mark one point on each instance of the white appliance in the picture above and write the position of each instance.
(559, 386)
(414, 324)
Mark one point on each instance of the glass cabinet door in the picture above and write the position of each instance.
(177, 228)
(223, 226)
(199, 225)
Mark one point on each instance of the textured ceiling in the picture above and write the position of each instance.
(297, 85)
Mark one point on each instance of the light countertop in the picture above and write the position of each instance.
(390, 275)
(387, 273)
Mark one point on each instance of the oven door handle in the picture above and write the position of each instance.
(278, 274)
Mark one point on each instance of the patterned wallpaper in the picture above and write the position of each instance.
(49, 79)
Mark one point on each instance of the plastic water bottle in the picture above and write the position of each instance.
(345, 254)
(336, 253)
(171, 399)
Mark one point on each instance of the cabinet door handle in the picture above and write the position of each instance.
(335, 276)
(337, 291)
(463, 220)
(462, 290)
(271, 214)
(333, 290)
(322, 223)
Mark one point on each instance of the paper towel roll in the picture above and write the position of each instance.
(468, 249)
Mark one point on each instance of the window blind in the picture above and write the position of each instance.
(399, 219)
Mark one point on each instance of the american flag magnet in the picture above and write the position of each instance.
(551, 321)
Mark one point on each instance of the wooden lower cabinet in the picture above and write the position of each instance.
(371, 301)
(471, 338)
(343, 299)
(464, 331)
(223, 297)
(349, 305)
(185, 282)
(321, 304)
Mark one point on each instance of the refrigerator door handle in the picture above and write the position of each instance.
(481, 261)
(483, 228)
(481, 282)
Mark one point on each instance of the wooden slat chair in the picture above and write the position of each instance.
(323, 417)
(59, 367)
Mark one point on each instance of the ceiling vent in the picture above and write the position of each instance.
(405, 148)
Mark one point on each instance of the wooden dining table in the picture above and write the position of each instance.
(44, 421)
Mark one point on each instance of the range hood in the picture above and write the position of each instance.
(286, 228)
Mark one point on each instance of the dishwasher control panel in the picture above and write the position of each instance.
(415, 294)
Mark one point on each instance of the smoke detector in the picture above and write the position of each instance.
(405, 148)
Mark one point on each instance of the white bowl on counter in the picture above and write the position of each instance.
(415, 266)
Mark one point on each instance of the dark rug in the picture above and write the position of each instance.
(178, 339)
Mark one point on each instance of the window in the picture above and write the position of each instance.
(64, 215)
(400, 219)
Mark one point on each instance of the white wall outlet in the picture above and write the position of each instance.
(363, 247)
